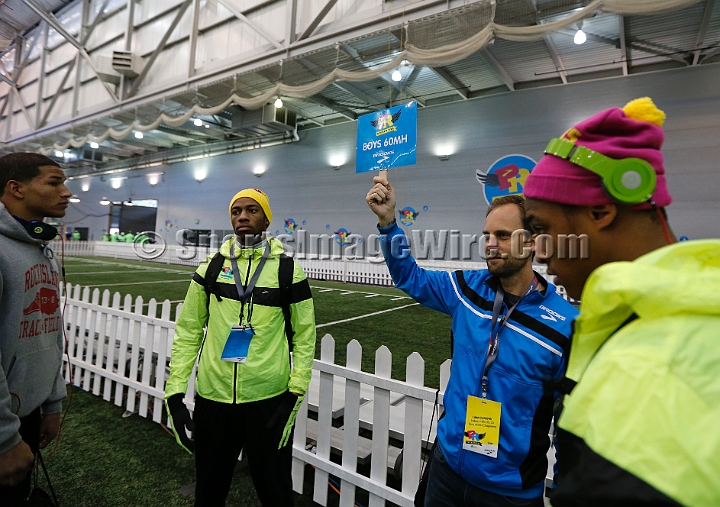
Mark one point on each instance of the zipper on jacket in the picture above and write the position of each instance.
(235, 383)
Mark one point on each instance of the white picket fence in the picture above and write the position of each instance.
(119, 349)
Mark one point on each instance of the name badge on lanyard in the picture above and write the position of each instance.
(482, 426)
(237, 344)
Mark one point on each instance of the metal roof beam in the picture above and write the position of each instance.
(161, 46)
(331, 104)
(50, 19)
(624, 50)
(352, 53)
(318, 19)
(507, 79)
(258, 29)
(707, 13)
(458, 86)
(559, 65)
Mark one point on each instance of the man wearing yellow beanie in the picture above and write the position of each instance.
(257, 306)
(639, 425)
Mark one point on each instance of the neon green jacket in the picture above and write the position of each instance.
(267, 370)
(648, 396)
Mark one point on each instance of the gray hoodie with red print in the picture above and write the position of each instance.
(31, 337)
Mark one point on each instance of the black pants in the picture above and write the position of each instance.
(12, 496)
(222, 430)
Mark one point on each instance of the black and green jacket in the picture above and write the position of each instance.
(267, 371)
(642, 425)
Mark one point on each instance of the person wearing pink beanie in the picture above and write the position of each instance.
(638, 423)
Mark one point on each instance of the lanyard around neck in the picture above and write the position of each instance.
(495, 334)
(245, 292)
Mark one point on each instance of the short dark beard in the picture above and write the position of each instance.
(510, 267)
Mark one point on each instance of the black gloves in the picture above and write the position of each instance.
(180, 418)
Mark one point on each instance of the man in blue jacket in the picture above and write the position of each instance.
(511, 335)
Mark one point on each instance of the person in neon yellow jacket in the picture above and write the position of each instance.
(640, 421)
(247, 396)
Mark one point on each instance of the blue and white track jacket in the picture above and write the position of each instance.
(531, 355)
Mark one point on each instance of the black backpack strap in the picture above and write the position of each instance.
(211, 274)
(285, 281)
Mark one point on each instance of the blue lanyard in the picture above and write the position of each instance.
(495, 335)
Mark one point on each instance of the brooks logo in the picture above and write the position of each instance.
(551, 314)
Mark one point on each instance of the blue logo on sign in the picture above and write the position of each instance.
(387, 138)
(506, 176)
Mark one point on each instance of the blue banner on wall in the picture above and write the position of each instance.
(387, 138)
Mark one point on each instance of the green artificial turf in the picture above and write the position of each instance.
(106, 460)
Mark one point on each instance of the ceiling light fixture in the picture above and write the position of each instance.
(258, 171)
(116, 183)
(74, 199)
(105, 201)
(85, 186)
(396, 76)
(278, 103)
(198, 122)
(580, 36)
(94, 145)
(139, 135)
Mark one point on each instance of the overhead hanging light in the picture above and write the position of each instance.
(105, 201)
(396, 76)
(74, 199)
(139, 135)
(580, 36)
(94, 145)
(198, 122)
(278, 103)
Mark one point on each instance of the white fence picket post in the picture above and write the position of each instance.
(147, 339)
(381, 425)
(327, 354)
(134, 342)
(351, 417)
(415, 376)
(124, 333)
(111, 347)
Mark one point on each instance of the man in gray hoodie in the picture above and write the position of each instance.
(31, 336)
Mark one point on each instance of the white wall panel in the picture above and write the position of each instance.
(53, 80)
(60, 56)
(63, 107)
(108, 29)
(148, 37)
(211, 12)
(29, 93)
(146, 10)
(31, 72)
(271, 19)
(170, 66)
(19, 124)
(92, 95)
(8, 60)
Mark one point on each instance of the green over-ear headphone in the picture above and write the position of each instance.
(628, 180)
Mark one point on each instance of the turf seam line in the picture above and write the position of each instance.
(364, 316)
